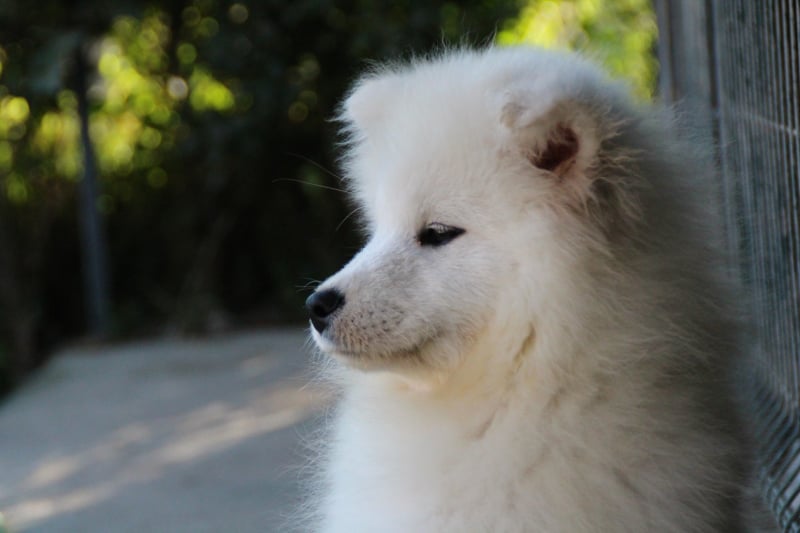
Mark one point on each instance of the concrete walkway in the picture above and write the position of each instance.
(168, 435)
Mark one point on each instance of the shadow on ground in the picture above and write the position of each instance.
(203, 435)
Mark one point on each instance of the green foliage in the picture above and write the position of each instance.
(209, 120)
(619, 33)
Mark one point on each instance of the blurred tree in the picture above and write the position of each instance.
(209, 120)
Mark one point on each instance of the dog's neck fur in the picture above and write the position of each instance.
(528, 409)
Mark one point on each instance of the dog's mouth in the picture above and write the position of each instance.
(333, 349)
(375, 357)
(322, 341)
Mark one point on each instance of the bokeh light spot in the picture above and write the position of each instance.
(14, 109)
(209, 94)
(150, 138)
(186, 53)
(298, 112)
(238, 13)
(308, 67)
(161, 114)
(208, 27)
(177, 88)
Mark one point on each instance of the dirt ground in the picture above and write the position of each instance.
(165, 435)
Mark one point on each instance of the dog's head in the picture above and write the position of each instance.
(481, 177)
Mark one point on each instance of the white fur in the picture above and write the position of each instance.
(562, 365)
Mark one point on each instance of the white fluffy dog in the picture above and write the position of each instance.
(535, 336)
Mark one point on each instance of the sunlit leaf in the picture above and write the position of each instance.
(619, 34)
(209, 94)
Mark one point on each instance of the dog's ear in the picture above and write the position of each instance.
(367, 103)
(557, 136)
(565, 139)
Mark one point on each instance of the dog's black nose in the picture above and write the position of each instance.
(321, 306)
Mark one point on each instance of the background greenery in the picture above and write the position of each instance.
(215, 155)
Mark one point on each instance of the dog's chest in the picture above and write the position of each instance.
(501, 474)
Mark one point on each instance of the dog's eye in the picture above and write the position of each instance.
(438, 234)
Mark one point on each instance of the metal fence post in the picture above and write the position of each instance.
(92, 234)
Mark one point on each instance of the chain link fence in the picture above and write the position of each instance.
(735, 65)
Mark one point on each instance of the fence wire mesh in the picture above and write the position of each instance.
(739, 62)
